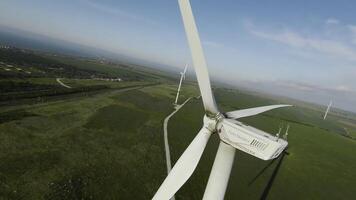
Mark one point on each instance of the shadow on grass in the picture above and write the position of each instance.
(272, 178)
(269, 184)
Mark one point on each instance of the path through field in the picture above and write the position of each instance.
(62, 84)
(166, 144)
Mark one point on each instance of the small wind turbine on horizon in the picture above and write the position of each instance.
(328, 109)
(233, 134)
(182, 76)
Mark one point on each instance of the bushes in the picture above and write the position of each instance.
(23, 90)
(51, 67)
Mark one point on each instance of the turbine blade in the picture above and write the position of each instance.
(184, 167)
(199, 62)
(185, 69)
(252, 111)
(327, 110)
(220, 173)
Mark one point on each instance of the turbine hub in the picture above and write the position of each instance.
(211, 123)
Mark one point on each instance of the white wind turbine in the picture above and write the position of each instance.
(182, 76)
(328, 109)
(233, 134)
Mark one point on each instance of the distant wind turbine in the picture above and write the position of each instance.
(182, 76)
(328, 109)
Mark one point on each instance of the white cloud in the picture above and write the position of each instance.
(298, 86)
(212, 44)
(286, 37)
(331, 21)
(326, 46)
(306, 87)
(343, 88)
(97, 5)
(343, 96)
(352, 28)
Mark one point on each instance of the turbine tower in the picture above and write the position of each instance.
(182, 76)
(328, 109)
(233, 134)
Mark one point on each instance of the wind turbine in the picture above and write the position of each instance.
(182, 76)
(328, 109)
(233, 134)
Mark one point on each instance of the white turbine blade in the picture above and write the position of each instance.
(184, 167)
(252, 111)
(198, 57)
(185, 69)
(220, 173)
(327, 110)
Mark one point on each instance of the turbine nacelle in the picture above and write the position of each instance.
(245, 138)
(250, 140)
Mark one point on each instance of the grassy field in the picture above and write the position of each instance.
(104, 139)
(91, 141)
(28, 77)
(110, 146)
(319, 164)
(100, 147)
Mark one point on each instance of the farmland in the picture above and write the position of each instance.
(103, 139)
(311, 169)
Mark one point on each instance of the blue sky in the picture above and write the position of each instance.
(302, 49)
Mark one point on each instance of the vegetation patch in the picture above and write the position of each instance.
(117, 118)
(15, 165)
(311, 170)
(145, 101)
(15, 115)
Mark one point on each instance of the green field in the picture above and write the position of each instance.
(104, 139)
(319, 164)
(96, 147)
